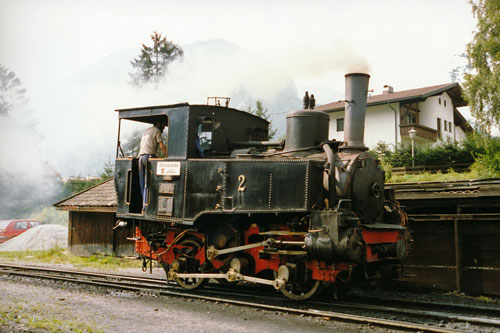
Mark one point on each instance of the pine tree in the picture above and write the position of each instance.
(12, 92)
(261, 112)
(153, 61)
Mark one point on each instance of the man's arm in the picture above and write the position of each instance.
(163, 148)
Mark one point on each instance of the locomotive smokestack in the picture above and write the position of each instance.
(356, 89)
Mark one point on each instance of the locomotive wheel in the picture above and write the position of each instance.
(300, 292)
(189, 254)
(223, 235)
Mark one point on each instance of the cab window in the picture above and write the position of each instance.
(204, 135)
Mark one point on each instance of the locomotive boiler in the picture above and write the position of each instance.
(227, 204)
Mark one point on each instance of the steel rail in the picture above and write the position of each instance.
(147, 284)
(161, 283)
(414, 302)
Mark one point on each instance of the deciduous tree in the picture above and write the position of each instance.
(482, 85)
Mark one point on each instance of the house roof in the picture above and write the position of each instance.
(101, 197)
(420, 94)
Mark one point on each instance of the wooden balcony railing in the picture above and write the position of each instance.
(423, 132)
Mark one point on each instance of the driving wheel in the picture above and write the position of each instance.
(186, 262)
(301, 291)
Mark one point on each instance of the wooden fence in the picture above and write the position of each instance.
(444, 168)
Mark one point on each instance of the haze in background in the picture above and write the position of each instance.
(73, 57)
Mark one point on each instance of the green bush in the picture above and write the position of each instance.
(482, 152)
(487, 162)
(445, 152)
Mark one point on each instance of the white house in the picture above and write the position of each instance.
(431, 111)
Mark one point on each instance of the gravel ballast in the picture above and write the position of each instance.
(69, 307)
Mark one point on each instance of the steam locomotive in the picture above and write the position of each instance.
(227, 204)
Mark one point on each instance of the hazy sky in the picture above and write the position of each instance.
(408, 44)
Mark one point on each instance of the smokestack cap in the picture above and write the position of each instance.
(351, 74)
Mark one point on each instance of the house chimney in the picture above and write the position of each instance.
(388, 89)
(356, 89)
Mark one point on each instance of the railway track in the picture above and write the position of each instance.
(384, 312)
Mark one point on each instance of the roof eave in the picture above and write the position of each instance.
(59, 203)
(456, 97)
(101, 209)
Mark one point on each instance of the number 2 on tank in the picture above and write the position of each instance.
(241, 179)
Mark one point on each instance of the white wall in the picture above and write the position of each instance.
(459, 134)
(430, 110)
(333, 133)
(379, 125)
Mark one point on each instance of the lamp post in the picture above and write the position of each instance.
(412, 133)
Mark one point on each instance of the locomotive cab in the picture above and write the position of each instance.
(193, 132)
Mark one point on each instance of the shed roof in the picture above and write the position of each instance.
(101, 197)
(453, 89)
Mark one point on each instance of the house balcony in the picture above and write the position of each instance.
(423, 132)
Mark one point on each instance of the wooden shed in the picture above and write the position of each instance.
(455, 226)
(92, 216)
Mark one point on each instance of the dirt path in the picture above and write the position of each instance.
(33, 305)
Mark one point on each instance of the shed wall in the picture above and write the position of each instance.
(92, 232)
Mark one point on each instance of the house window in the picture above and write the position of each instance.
(340, 124)
(439, 100)
(411, 119)
(449, 127)
(439, 126)
(445, 126)
(409, 113)
(444, 102)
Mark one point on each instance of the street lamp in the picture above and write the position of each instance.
(412, 133)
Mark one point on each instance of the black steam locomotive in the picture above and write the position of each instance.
(228, 204)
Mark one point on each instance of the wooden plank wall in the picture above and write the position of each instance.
(92, 233)
(432, 259)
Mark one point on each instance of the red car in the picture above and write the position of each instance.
(13, 228)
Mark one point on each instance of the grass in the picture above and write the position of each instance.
(485, 299)
(34, 319)
(59, 255)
